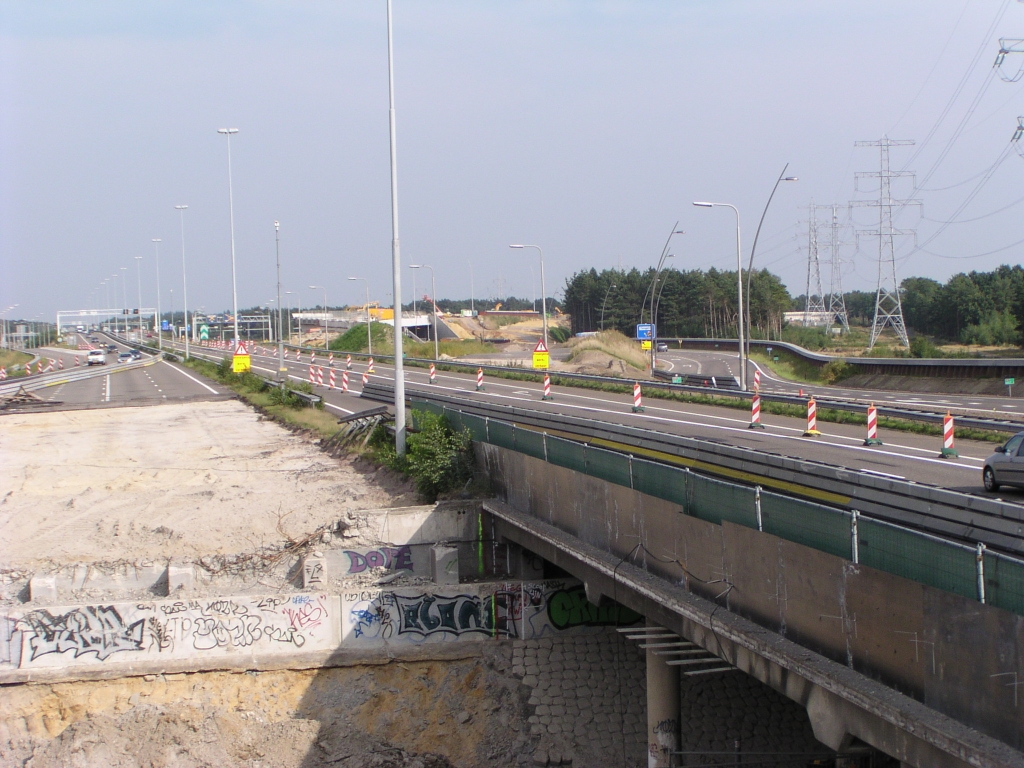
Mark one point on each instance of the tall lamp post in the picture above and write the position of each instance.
(158, 326)
(654, 284)
(396, 258)
(280, 336)
(543, 291)
(138, 276)
(184, 279)
(327, 333)
(289, 303)
(739, 289)
(750, 266)
(433, 300)
(610, 287)
(369, 337)
(124, 299)
(229, 132)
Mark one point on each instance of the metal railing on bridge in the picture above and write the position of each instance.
(972, 572)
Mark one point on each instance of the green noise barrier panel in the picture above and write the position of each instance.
(927, 559)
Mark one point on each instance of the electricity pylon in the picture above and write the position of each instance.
(815, 305)
(835, 304)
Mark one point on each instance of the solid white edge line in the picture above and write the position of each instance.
(189, 376)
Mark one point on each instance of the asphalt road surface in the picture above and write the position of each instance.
(903, 455)
(710, 364)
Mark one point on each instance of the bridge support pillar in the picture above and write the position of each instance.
(662, 709)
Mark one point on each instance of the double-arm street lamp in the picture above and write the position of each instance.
(750, 266)
(653, 289)
(739, 289)
(369, 337)
(543, 291)
(610, 287)
(433, 300)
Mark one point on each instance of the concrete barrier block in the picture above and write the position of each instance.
(179, 577)
(444, 565)
(314, 570)
(42, 589)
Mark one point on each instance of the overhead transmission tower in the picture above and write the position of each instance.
(814, 308)
(888, 307)
(835, 303)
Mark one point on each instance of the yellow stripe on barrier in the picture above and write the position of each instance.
(712, 469)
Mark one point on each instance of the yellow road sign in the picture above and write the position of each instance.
(541, 359)
(646, 344)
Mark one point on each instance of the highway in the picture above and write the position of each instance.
(702, 362)
(904, 455)
(116, 385)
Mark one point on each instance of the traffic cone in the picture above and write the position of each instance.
(948, 449)
(872, 426)
(638, 403)
(812, 419)
(755, 412)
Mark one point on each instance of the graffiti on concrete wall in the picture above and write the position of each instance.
(169, 629)
(523, 610)
(388, 558)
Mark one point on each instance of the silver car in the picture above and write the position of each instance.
(1006, 465)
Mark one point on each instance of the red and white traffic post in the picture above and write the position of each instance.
(344, 381)
(60, 363)
(369, 366)
(433, 374)
(348, 362)
(812, 419)
(312, 357)
(547, 387)
(330, 359)
(948, 448)
(757, 380)
(332, 378)
(77, 361)
(872, 438)
(320, 375)
(312, 375)
(479, 379)
(638, 403)
(366, 378)
(755, 411)
(3, 373)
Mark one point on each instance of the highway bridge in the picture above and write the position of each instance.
(878, 587)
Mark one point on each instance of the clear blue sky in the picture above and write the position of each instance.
(585, 127)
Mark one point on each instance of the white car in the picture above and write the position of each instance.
(96, 357)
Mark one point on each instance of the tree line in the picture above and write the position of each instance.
(972, 308)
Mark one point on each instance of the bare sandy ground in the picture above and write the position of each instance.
(137, 484)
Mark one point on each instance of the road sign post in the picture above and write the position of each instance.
(541, 356)
(1009, 382)
(241, 362)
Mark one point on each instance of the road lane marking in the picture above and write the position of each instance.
(107, 398)
(197, 381)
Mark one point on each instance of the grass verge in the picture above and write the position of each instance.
(613, 344)
(10, 358)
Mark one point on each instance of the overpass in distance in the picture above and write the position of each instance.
(848, 578)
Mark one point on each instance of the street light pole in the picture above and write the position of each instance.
(158, 326)
(750, 266)
(396, 259)
(231, 214)
(369, 337)
(739, 289)
(543, 291)
(605, 302)
(124, 299)
(654, 284)
(138, 276)
(433, 300)
(184, 278)
(280, 336)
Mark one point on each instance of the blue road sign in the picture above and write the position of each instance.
(645, 331)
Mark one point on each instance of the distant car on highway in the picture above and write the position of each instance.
(111, 348)
(95, 357)
(662, 346)
(1006, 465)
(124, 357)
(136, 355)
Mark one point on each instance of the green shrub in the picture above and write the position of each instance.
(921, 346)
(834, 371)
(558, 334)
(437, 458)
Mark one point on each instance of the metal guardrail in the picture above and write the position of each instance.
(939, 511)
(41, 381)
(908, 414)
